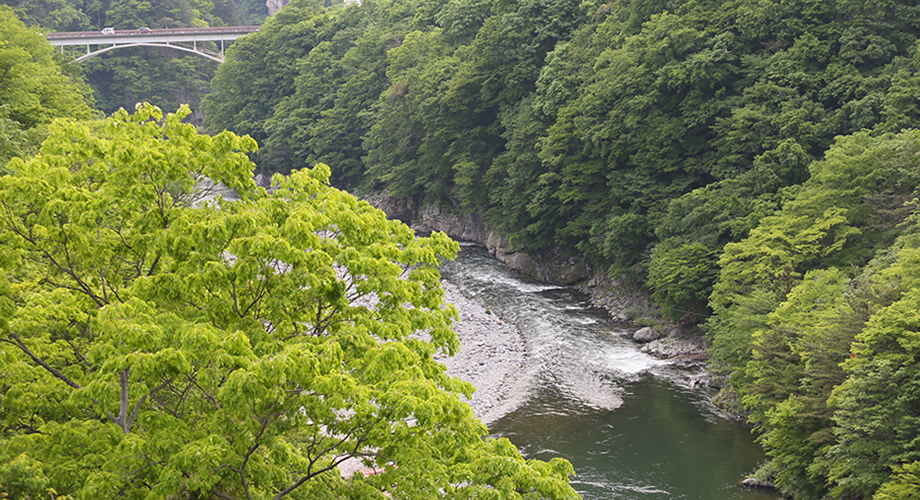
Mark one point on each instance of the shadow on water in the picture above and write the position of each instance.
(627, 421)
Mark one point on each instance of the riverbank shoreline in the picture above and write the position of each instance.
(492, 353)
(685, 347)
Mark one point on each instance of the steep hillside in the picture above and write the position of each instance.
(750, 163)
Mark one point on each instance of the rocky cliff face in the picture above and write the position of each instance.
(472, 227)
(274, 6)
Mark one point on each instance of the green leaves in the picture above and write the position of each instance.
(239, 349)
(903, 485)
(681, 278)
(786, 320)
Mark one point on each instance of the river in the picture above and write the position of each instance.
(627, 421)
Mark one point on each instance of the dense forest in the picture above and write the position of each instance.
(750, 163)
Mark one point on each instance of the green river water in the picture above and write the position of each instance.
(662, 443)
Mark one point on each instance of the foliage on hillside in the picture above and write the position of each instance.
(35, 88)
(751, 161)
(158, 344)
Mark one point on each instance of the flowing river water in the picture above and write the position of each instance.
(628, 422)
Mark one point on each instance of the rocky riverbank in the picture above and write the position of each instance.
(684, 347)
(664, 340)
(492, 352)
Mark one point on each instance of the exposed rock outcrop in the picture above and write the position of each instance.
(472, 227)
(609, 294)
(274, 6)
(687, 346)
(755, 483)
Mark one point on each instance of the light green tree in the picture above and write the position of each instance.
(877, 422)
(155, 344)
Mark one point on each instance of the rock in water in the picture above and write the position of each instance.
(756, 483)
(644, 335)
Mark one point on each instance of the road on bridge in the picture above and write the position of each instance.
(92, 35)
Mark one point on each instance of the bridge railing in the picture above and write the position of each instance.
(160, 31)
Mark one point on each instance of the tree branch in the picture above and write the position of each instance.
(319, 317)
(221, 495)
(265, 421)
(153, 266)
(60, 376)
(335, 461)
(207, 395)
(136, 408)
(123, 403)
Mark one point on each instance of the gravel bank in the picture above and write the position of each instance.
(492, 354)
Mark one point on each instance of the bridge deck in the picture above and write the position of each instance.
(170, 35)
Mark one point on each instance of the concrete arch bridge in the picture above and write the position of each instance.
(200, 41)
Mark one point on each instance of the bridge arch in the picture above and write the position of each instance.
(201, 52)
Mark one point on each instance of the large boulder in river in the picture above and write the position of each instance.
(644, 335)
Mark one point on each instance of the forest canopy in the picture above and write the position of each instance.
(751, 165)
